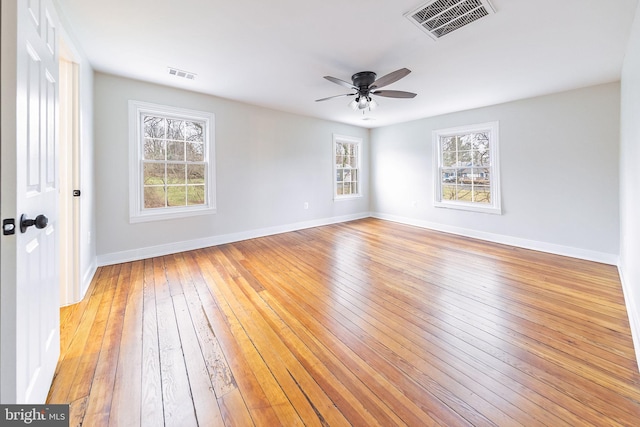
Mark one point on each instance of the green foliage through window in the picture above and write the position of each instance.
(174, 168)
(465, 167)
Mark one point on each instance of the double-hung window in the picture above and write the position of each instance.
(466, 168)
(347, 171)
(172, 162)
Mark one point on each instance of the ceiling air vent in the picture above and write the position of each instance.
(180, 73)
(440, 17)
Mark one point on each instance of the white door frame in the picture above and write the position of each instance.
(70, 284)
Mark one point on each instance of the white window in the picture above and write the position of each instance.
(171, 162)
(466, 168)
(347, 176)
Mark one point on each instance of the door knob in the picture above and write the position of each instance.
(41, 221)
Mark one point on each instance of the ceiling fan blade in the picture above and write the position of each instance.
(335, 96)
(340, 82)
(390, 78)
(394, 93)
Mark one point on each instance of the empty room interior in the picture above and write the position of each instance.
(345, 213)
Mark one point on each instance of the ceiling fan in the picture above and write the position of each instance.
(365, 84)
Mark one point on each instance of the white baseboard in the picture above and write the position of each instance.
(172, 248)
(602, 257)
(85, 282)
(632, 313)
(88, 277)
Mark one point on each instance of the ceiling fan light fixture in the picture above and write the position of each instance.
(365, 84)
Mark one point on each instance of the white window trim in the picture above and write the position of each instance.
(495, 207)
(136, 212)
(350, 140)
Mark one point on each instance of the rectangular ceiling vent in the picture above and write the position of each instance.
(181, 73)
(441, 17)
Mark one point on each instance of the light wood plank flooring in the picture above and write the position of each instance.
(364, 323)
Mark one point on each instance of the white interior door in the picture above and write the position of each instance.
(29, 334)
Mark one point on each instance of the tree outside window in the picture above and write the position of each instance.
(172, 154)
(467, 168)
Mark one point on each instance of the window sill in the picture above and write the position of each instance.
(469, 207)
(349, 197)
(162, 214)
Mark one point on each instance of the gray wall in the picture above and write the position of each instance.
(558, 165)
(268, 164)
(630, 182)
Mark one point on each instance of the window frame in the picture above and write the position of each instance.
(495, 207)
(337, 139)
(137, 212)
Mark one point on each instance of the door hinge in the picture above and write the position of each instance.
(8, 226)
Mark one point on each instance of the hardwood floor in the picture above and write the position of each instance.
(363, 323)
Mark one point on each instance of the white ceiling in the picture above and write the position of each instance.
(274, 53)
